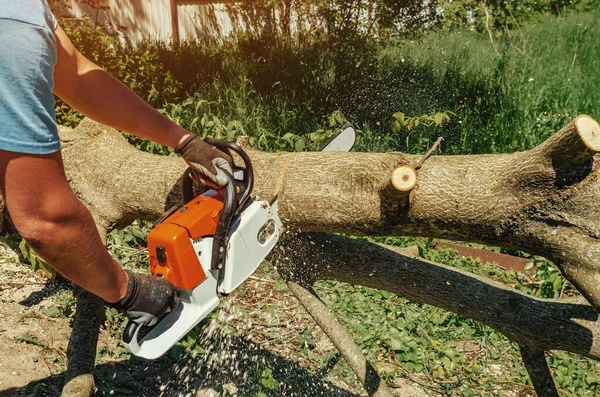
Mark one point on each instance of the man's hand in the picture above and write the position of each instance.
(148, 298)
(208, 161)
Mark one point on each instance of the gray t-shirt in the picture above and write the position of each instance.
(27, 59)
(35, 12)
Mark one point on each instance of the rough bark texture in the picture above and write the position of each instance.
(81, 351)
(541, 201)
(535, 324)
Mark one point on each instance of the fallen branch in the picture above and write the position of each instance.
(539, 373)
(535, 324)
(81, 351)
(364, 371)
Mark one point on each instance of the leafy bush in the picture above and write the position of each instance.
(500, 14)
(139, 69)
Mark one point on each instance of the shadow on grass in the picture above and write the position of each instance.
(229, 360)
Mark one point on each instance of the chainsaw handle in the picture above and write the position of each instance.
(247, 182)
(221, 236)
(187, 186)
(248, 178)
(230, 207)
(231, 203)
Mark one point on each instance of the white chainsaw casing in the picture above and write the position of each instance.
(253, 235)
(246, 250)
(194, 305)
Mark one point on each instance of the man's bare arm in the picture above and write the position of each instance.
(92, 91)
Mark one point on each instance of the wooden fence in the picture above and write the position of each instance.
(164, 19)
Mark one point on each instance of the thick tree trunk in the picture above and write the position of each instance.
(541, 201)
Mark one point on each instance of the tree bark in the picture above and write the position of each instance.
(541, 201)
(539, 373)
(81, 351)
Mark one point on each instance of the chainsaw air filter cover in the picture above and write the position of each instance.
(172, 254)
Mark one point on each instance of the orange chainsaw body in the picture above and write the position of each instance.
(170, 248)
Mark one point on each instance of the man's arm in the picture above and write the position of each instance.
(92, 91)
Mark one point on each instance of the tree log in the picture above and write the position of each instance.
(541, 201)
(535, 324)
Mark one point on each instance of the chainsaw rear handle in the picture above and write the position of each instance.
(245, 184)
(221, 236)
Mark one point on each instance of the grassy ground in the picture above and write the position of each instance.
(504, 96)
(507, 96)
(260, 342)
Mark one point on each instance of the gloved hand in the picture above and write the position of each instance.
(148, 298)
(208, 161)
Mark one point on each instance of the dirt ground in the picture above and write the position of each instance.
(32, 344)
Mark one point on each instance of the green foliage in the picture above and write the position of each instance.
(267, 380)
(114, 322)
(127, 245)
(63, 306)
(139, 69)
(32, 340)
(241, 110)
(501, 14)
(402, 122)
(133, 235)
(306, 339)
(503, 103)
(503, 97)
(35, 261)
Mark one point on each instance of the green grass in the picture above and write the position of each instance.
(508, 96)
(541, 77)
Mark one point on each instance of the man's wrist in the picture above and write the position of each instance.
(131, 290)
(183, 138)
(175, 135)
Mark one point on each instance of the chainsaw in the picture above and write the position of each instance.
(209, 246)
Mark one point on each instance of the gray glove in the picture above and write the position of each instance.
(148, 298)
(208, 161)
